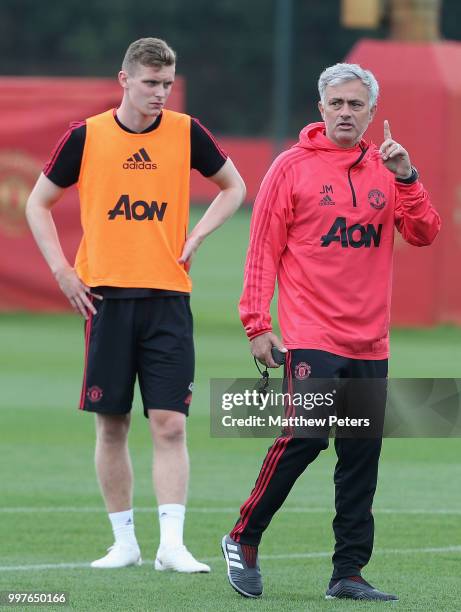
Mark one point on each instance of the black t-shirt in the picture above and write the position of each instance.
(63, 169)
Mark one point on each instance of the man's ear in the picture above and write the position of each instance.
(373, 110)
(122, 78)
(320, 107)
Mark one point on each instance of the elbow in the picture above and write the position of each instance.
(432, 234)
(422, 240)
(242, 191)
(430, 239)
(29, 209)
(34, 209)
(234, 194)
(422, 234)
(243, 194)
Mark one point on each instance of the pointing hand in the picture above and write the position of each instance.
(394, 156)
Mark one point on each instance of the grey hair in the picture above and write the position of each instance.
(340, 73)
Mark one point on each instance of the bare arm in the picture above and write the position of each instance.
(231, 195)
(44, 196)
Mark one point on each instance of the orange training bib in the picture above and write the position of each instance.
(134, 201)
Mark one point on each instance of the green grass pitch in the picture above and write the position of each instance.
(52, 520)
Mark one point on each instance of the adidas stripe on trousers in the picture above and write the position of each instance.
(355, 475)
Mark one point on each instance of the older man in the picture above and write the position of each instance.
(323, 226)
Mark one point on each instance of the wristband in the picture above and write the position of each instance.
(411, 179)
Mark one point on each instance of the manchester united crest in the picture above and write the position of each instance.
(376, 199)
(94, 394)
(303, 370)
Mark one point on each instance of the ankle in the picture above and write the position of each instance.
(123, 527)
(250, 554)
(171, 519)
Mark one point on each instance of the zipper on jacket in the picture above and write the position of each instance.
(357, 161)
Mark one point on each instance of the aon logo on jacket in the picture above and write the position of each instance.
(354, 236)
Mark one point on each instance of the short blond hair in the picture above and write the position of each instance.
(148, 52)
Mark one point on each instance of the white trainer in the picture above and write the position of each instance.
(179, 560)
(119, 555)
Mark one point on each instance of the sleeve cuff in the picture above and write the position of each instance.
(414, 176)
(260, 332)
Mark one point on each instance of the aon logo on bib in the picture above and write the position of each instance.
(138, 210)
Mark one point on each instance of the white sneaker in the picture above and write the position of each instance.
(119, 555)
(179, 560)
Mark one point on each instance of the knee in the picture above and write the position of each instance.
(358, 451)
(168, 429)
(322, 443)
(313, 444)
(112, 429)
(316, 445)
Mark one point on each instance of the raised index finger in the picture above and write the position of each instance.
(387, 130)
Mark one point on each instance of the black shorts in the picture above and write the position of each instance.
(150, 337)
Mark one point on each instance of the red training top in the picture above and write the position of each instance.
(323, 225)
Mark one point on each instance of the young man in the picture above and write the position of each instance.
(131, 284)
(323, 225)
